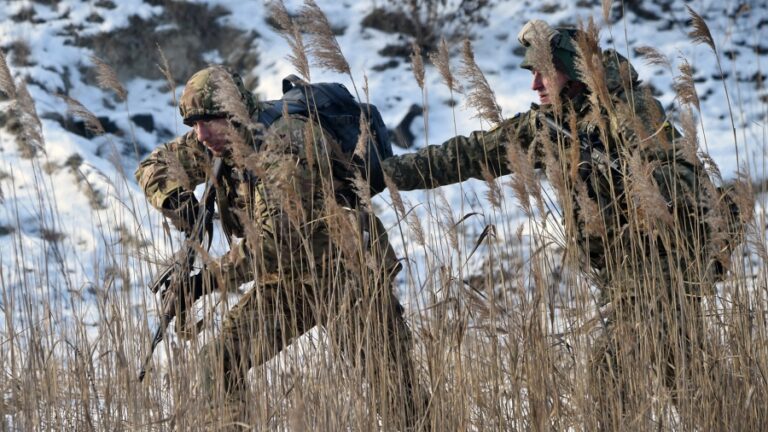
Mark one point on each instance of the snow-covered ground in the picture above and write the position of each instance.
(61, 221)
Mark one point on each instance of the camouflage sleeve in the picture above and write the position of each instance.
(459, 158)
(174, 167)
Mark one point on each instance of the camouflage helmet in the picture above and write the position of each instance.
(209, 94)
(562, 42)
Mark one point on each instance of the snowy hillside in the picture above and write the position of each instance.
(71, 206)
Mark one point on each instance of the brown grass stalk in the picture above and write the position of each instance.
(107, 79)
(292, 34)
(442, 61)
(480, 95)
(700, 33)
(323, 45)
(417, 62)
(7, 83)
(78, 110)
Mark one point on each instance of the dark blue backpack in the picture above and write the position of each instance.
(339, 113)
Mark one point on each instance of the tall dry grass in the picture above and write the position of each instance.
(511, 346)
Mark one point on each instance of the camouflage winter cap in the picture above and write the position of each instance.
(562, 42)
(216, 92)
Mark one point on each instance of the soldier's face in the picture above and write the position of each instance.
(548, 87)
(213, 133)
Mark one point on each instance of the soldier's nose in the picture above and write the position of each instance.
(203, 133)
(537, 83)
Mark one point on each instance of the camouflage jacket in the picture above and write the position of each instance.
(595, 166)
(273, 197)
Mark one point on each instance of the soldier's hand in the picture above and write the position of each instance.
(183, 209)
(188, 290)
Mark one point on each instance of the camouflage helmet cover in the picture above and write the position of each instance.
(205, 95)
(561, 41)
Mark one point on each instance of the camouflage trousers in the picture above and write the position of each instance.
(366, 328)
(652, 348)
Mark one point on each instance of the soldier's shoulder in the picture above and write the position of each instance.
(515, 122)
(290, 121)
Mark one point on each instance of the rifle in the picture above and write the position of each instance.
(594, 151)
(170, 280)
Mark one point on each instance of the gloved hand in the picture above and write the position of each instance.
(188, 290)
(182, 208)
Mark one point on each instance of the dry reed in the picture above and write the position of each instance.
(107, 79)
(498, 345)
(480, 96)
(292, 34)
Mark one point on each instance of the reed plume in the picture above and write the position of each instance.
(650, 207)
(322, 43)
(7, 84)
(442, 61)
(652, 56)
(394, 193)
(589, 64)
(418, 64)
(480, 95)
(229, 97)
(165, 69)
(606, 8)
(32, 128)
(292, 34)
(700, 33)
(78, 110)
(107, 78)
(685, 86)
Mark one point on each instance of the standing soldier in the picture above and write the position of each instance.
(313, 259)
(634, 196)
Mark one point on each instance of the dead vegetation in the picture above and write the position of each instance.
(507, 348)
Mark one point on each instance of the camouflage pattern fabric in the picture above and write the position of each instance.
(601, 163)
(276, 198)
(276, 195)
(205, 95)
(634, 203)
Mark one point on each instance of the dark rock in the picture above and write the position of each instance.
(586, 3)
(21, 53)
(549, 8)
(144, 121)
(74, 162)
(389, 22)
(95, 18)
(189, 31)
(391, 50)
(25, 14)
(106, 4)
(391, 64)
(51, 235)
(77, 126)
(636, 6)
(401, 134)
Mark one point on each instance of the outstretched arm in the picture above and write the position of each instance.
(460, 158)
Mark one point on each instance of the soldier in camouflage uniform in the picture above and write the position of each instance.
(631, 197)
(314, 261)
